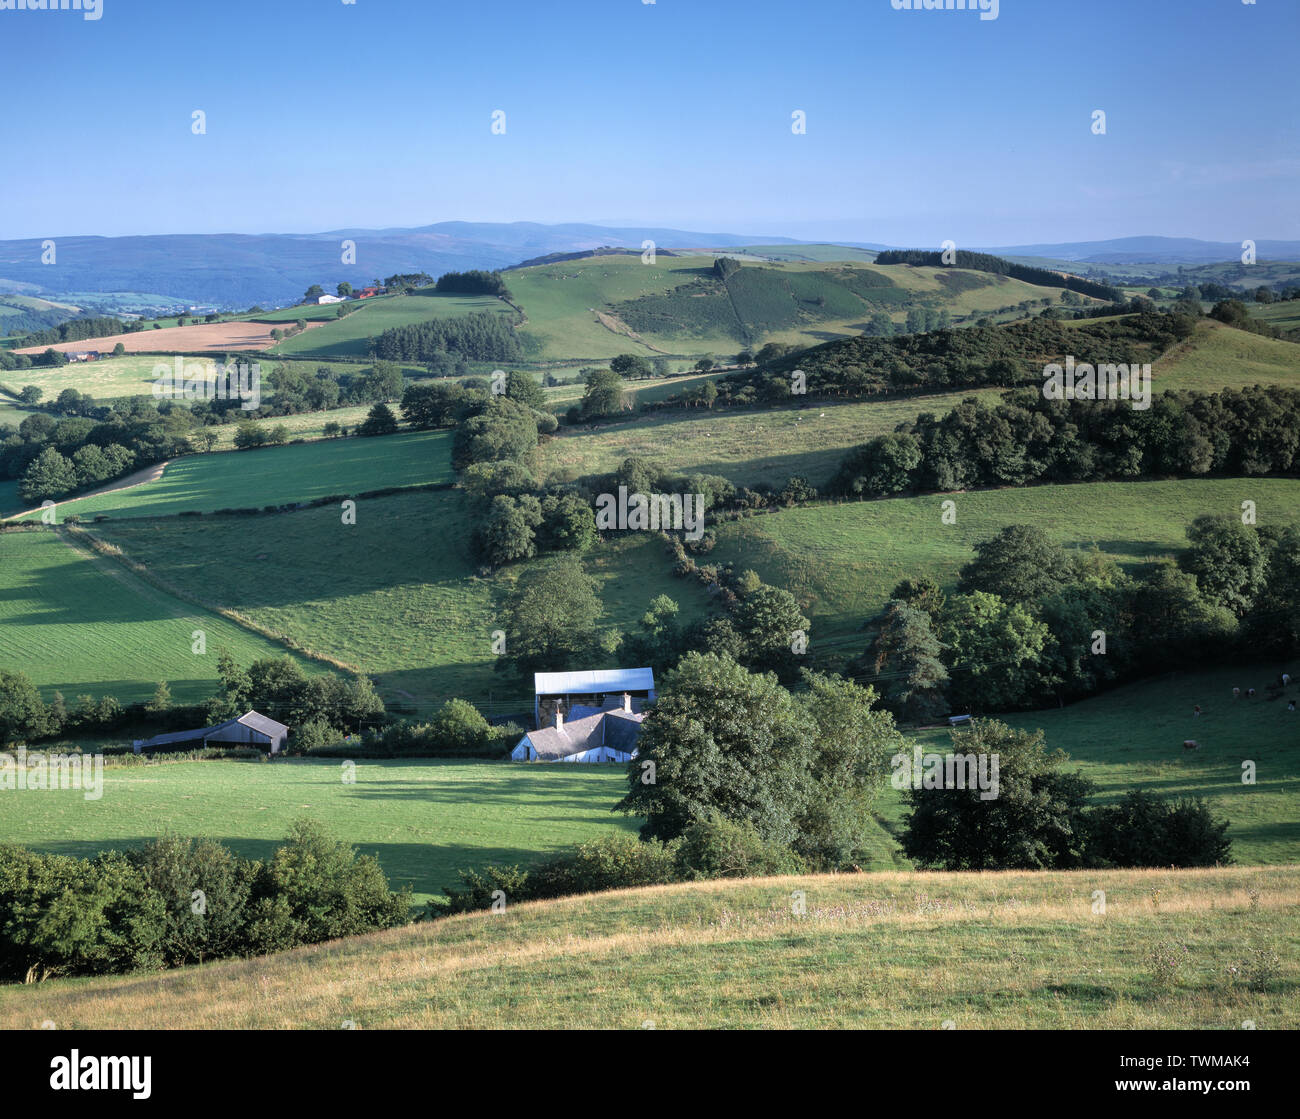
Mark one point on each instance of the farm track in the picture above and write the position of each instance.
(128, 482)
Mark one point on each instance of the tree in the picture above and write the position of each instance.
(522, 387)
(770, 621)
(657, 640)
(880, 467)
(162, 699)
(49, 477)
(344, 289)
(1227, 560)
(604, 394)
(905, 657)
(1019, 564)
(506, 534)
(851, 750)
(379, 421)
(568, 523)
(22, 713)
(119, 350)
(31, 394)
(923, 593)
(459, 730)
(994, 649)
(550, 619)
(1143, 830)
(1035, 821)
(631, 366)
(722, 741)
(313, 292)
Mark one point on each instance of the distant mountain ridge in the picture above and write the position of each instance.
(236, 271)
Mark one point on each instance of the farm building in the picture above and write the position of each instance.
(608, 733)
(84, 355)
(250, 729)
(331, 299)
(587, 689)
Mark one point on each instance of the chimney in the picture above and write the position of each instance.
(627, 702)
(559, 716)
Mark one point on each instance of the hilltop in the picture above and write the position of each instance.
(1193, 949)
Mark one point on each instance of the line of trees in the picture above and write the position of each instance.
(985, 262)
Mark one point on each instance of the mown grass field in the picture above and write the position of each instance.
(398, 594)
(1218, 357)
(886, 951)
(747, 447)
(842, 561)
(423, 819)
(279, 475)
(349, 336)
(83, 625)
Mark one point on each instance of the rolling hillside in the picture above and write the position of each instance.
(81, 624)
(842, 561)
(869, 951)
(272, 476)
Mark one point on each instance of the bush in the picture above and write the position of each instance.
(458, 730)
(722, 848)
(1143, 830)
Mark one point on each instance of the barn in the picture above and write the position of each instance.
(250, 729)
(592, 689)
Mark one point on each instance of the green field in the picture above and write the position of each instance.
(83, 625)
(1284, 316)
(349, 336)
(1132, 736)
(842, 561)
(399, 594)
(798, 302)
(1218, 357)
(885, 951)
(423, 820)
(748, 446)
(279, 475)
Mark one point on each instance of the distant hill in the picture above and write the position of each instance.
(238, 270)
(1161, 250)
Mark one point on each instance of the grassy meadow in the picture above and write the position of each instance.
(350, 336)
(422, 819)
(279, 475)
(897, 950)
(399, 594)
(1218, 357)
(746, 447)
(80, 624)
(842, 561)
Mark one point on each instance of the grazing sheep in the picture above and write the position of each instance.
(1236, 693)
(1189, 744)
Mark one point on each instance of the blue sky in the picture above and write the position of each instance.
(921, 126)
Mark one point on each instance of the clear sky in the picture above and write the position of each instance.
(921, 125)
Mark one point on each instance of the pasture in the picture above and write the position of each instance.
(398, 594)
(279, 475)
(744, 446)
(350, 336)
(1132, 736)
(842, 561)
(1218, 357)
(82, 625)
(897, 950)
(422, 819)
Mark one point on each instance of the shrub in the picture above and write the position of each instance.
(722, 848)
(1143, 830)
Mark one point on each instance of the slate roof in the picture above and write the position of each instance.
(250, 719)
(617, 729)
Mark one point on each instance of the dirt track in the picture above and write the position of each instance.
(126, 482)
